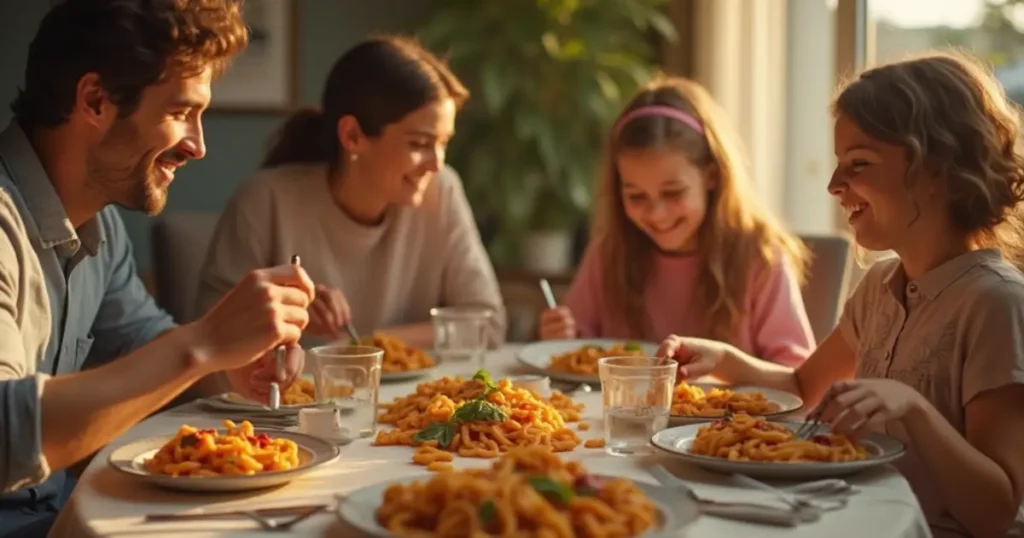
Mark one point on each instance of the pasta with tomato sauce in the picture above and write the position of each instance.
(529, 492)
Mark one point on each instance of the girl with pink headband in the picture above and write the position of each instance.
(680, 244)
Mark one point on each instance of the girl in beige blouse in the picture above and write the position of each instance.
(930, 346)
(360, 191)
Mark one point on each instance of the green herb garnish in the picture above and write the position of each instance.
(633, 346)
(484, 377)
(442, 432)
(551, 488)
(478, 410)
(488, 512)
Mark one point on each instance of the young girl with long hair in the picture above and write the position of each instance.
(680, 243)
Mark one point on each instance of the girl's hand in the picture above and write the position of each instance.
(557, 323)
(858, 406)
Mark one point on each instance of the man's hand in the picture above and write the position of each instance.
(253, 380)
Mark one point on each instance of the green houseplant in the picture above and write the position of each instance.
(548, 78)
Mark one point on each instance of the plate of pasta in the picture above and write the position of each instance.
(760, 448)
(301, 393)
(236, 458)
(528, 492)
(401, 361)
(476, 418)
(703, 402)
(575, 361)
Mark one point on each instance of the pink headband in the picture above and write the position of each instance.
(659, 110)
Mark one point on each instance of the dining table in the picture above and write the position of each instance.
(110, 503)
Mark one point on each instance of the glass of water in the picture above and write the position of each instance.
(636, 393)
(348, 379)
(462, 335)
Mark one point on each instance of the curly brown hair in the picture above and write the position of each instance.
(130, 44)
(738, 235)
(951, 115)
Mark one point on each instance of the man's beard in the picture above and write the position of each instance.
(134, 185)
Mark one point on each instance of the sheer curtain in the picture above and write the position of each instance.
(739, 55)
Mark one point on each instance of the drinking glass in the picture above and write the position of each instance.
(462, 335)
(636, 394)
(348, 379)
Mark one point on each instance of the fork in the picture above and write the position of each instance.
(813, 421)
(276, 526)
(261, 517)
(810, 425)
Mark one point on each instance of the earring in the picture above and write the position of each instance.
(353, 157)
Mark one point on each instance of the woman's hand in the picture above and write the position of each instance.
(697, 357)
(328, 313)
(859, 406)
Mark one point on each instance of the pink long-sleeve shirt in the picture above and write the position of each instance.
(775, 327)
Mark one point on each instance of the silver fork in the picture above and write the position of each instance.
(813, 421)
(268, 524)
(262, 517)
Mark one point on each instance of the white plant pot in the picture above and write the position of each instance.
(548, 252)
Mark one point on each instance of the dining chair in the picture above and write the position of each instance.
(180, 240)
(828, 279)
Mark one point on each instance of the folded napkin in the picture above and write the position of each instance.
(741, 497)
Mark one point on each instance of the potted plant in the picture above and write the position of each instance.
(548, 79)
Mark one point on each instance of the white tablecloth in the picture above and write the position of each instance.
(109, 503)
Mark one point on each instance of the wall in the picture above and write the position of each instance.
(234, 142)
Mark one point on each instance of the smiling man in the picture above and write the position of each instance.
(111, 107)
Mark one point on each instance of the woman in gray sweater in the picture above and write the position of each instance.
(360, 191)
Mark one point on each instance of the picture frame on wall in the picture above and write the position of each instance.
(263, 77)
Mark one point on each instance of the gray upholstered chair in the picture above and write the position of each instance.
(180, 240)
(827, 281)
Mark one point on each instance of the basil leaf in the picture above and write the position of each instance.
(633, 346)
(479, 411)
(442, 432)
(551, 488)
(488, 512)
(484, 377)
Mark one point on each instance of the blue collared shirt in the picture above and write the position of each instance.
(95, 304)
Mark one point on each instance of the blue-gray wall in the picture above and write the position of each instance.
(234, 142)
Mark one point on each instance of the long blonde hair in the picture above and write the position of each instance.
(736, 235)
(950, 114)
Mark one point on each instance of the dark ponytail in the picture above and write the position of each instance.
(379, 82)
(304, 138)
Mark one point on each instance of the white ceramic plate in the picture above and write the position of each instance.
(232, 401)
(882, 449)
(537, 356)
(788, 403)
(359, 508)
(313, 453)
(391, 377)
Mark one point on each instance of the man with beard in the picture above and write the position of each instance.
(111, 106)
